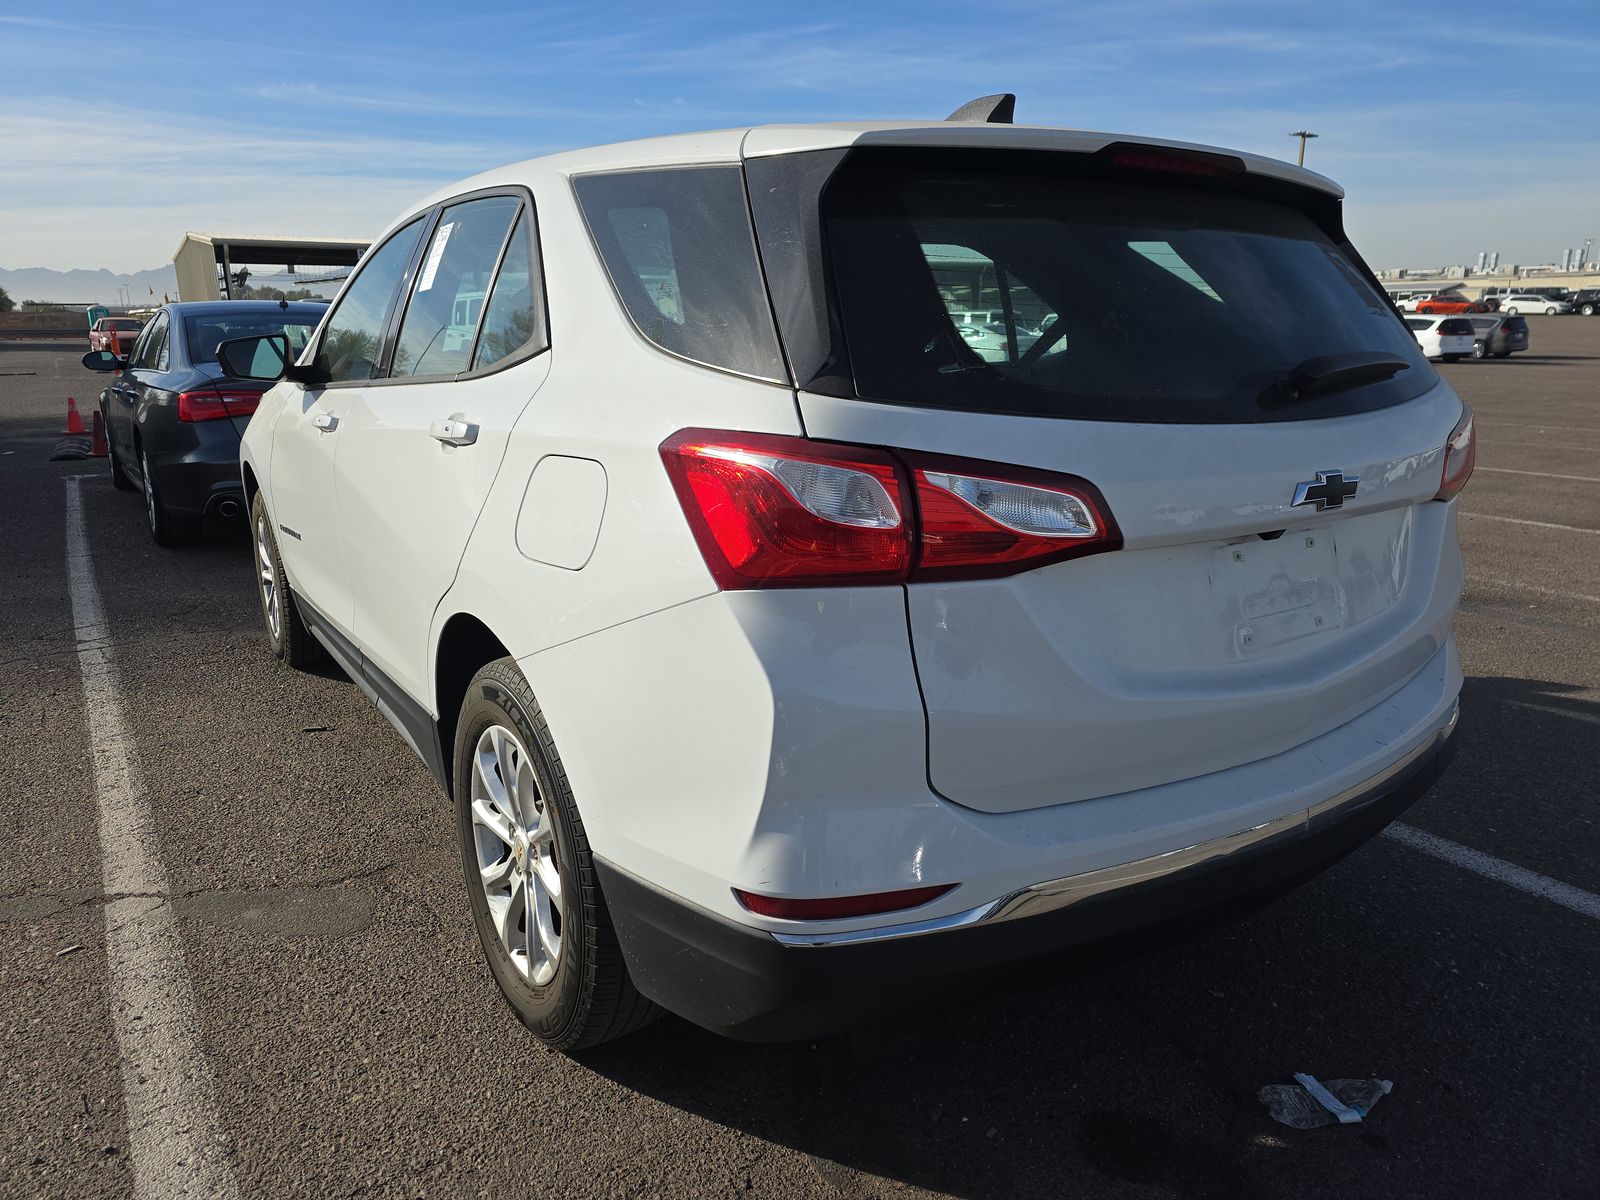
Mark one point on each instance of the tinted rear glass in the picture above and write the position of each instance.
(1022, 283)
(203, 332)
(1455, 325)
(678, 246)
(1515, 325)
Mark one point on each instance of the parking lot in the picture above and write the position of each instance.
(358, 1047)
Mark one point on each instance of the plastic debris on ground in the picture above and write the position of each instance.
(1308, 1103)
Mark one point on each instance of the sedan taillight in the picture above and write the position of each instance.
(216, 404)
(776, 511)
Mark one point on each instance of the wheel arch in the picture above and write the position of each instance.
(465, 645)
(251, 485)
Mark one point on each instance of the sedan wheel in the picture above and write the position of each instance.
(165, 528)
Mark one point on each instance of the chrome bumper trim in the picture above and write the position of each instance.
(1055, 894)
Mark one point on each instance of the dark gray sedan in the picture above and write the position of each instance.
(174, 417)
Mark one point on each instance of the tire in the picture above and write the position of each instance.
(1452, 358)
(292, 642)
(1502, 354)
(575, 993)
(1549, 312)
(120, 479)
(167, 529)
(1511, 312)
(1587, 310)
(1480, 350)
(1427, 312)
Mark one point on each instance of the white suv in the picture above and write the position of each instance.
(790, 660)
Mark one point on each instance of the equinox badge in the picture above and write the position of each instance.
(1327, 490)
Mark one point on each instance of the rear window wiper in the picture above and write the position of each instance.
(1331, 373)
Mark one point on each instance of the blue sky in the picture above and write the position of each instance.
(1454, 127)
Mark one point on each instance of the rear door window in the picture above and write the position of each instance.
(513, 318)
(1014, 282)
(440, 326)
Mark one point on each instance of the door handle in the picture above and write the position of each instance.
(453, 431)
(326, 422)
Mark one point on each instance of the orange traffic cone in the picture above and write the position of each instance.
(74, 421)
(97, 445)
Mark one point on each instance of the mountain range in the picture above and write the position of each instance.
(88, 287)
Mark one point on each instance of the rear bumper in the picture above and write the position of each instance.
(202, 479)
(748, 984)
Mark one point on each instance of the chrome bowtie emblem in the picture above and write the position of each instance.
(1327, 490)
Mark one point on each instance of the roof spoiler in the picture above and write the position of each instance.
(993, 110)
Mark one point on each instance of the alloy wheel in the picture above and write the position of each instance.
(149, 490)
(514, 836)
(269, 578)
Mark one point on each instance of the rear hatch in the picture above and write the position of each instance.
(1139, 329)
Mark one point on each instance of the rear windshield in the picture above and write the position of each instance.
(1515, 324)
(129, 323)
(1010, 282)
(203, 332)
(1455, 325)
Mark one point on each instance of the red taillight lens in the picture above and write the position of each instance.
(838, 908)
(978, 520)
(216, 404)
(1460, 456)
(772, 511)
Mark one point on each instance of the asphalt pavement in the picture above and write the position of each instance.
(357, 1046)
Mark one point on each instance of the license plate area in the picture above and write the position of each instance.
(1273, 593)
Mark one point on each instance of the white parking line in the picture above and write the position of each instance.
(1536, 524)
(1497, 869)
(175, 1144)
(1540, 474)
(1540, 427)
(1532, 587)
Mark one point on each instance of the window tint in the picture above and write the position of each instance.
(441, 321)
(350, 343)
(1116, 297)
(203, 333)
(153, 354)
(513, 317)
(678, 246)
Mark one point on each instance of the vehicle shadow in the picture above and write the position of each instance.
(1140, 1067)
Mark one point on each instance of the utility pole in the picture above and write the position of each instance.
(1305, 135)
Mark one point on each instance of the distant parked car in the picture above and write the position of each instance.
(1532, 302)
(1586, 301)
(173, 417)
(1498, 335)
(109, 333)
(1449, 338)
(1451, 303)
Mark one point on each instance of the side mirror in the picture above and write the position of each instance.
(104, 360)
(262, 356)
(265, 357)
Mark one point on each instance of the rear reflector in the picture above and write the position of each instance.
(216, 404)
(1460, 455)
(777, 511)
(838, 908)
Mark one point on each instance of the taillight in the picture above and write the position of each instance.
(216, 404)
(838, 908)
(772, 511)
(979, 520)
(1460, 455)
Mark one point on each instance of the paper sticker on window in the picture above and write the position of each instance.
(431, 268)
